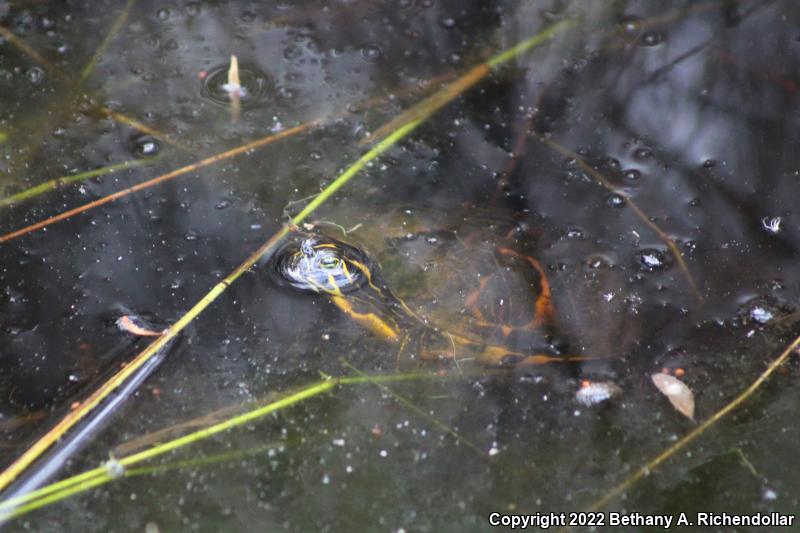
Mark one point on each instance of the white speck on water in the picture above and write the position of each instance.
(597, 392)
(651, 260)
(772, 225)
(761, 315)
(608, 296)
(255, 226)
(770, 495)
(383, 453)
(338, 442)
(114, 468)
(326, 479)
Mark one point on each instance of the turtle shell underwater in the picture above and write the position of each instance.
(439, 289)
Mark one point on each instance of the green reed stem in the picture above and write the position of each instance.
(63, 181)
(91, 478)
(112, 33)
(399, 131)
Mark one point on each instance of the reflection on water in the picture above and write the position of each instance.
(684, 109)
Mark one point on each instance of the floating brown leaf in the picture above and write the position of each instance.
(679, 395)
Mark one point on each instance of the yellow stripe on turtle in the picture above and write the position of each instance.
(370, 321)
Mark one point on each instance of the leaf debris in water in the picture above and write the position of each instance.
(594, 392)
(677, 392)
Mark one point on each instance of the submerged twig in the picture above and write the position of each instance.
(25, 48)
(144, 128)
(160, 179)
(87, 70)
(410, 405)
(112, 32)
(673, 248)
(91, 478)
(63, 181)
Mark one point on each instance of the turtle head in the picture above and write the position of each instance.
(316, 263)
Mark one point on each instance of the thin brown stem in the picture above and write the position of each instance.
(160, 179)
(673, 248)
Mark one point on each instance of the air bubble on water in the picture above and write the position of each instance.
(615, 200)
(632, 174)
(598, 261)
(47, 23)
(286, 93)
(630, 25)
(643, 153)
(35, 75)
(146, 146)
(652, 260)
(651, 38)
(447, 23)
(575, 233)
(761, 314)
(371, 53)
(223, 204)
(162, 14)
(192, 9)
(709, 163)
(772, 224)
(248, 17)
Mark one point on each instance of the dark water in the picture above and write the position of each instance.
(686, 107)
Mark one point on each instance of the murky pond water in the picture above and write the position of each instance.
(640, 168)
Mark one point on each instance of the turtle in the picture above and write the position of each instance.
(439, 287)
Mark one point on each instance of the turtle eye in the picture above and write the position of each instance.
(330, 262)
